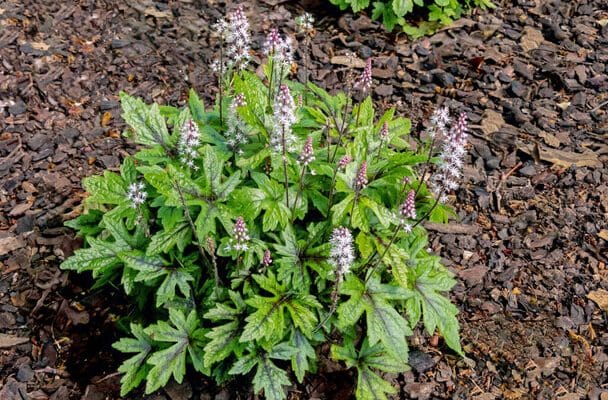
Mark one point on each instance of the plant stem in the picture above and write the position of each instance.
(191, 223)
(331, 190)
(426, 166)
(221, 81)
(300, 190)
(284, 156)
(418, 222)
(334, 303)
(270, 79)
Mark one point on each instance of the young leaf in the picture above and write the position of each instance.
(304, 352)
(134, 369)
(149, 126)
(183, 337)
(270, 379)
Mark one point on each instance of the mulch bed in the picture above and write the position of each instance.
(529, 249)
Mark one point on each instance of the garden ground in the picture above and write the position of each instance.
(529, 248)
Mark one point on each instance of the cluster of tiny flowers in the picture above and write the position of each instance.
(364, 83)
(189, 140)
(238, 39)
(307, 156)
(439, 122)
(278, 48)
(267, 259)
(451, 157)
(234, 135)
(240, 236)
(361, 178)
(282, 138)
(305, 23)
(136, 194)
(384, 131)
(344, 161)
(342, 253)
(408, 207)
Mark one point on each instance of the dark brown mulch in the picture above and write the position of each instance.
(529, 249)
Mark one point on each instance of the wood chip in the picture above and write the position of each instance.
(8, 341)
(452, 228)
(560, 158)
(10, 243)
(531, 39)
(352, 62)
(491, 122)
(600, 297)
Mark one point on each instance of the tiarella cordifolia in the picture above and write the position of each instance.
(189, 140)
(439, 122)
(278, 48)
(238, 39)
(305, 23)
(342, 253)
(234, 134)
(267, 259)
(282, 138)
(136, 194)
(344, 161)
(307, 156)
(240, 236)
(384, 131)
(364, 83)
(451, 157)
(361, 178)
(407, 210)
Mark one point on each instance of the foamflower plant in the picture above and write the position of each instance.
(256, 232)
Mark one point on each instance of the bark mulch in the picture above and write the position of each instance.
(529, 247)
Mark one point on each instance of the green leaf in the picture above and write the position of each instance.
(359, 5)
(184, 339)
(164, 241)
(100, 258)
(134, 369)
(304, 352)
(437, 311)
(402, 7)
(270, 379)
(197, 108)
(106, 189)
(128, 171)
(268, 321)
(149, 126)
(372, 387)
(224, 340)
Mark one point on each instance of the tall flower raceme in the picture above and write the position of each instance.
(305, 23)
(449, 172)
(282, 138)
(240, 236)
(234, 133)
(189, 141)
(364, 83)
(440, 121)
(361, 178)
(307, 155)
(278, 49)
(407, 211)
(236, 36)
(342, 253)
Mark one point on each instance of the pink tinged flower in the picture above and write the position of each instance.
(282, 138)
(384, 131)
(305, 23)
(344, 161)
(267, 259)
(361, 178)
(365, 80)
(307, 155)
(408, 208)
(239, 100)
(273, 41)
(342, 253)
(451, 157)
(240, 235)
(238, 38)
(137, 194)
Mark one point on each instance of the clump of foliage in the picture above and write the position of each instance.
(397, 12)
(284, 218)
